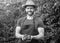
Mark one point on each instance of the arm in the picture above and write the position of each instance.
(40, 35)
(40, 29)
(17, 32)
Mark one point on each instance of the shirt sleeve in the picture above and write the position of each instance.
(19, 22)
(40, 23)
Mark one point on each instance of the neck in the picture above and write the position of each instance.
(29, 17)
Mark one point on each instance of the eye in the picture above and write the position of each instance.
(28, 8)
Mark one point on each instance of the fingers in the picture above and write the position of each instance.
(23, 38)
(29, 37)
(26, 38)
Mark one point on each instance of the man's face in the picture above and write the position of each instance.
(30, 10)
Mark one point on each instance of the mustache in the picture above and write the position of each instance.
(29, 11)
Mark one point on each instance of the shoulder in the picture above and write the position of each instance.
(38, 19)
(21, 19)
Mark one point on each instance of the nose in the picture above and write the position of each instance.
(29, 9)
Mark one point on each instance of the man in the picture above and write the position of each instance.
(29, 29)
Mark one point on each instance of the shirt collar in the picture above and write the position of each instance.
(29, 17)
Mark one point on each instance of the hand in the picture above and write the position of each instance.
(29, 37)
(26, 38)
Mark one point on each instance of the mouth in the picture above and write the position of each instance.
(29, 11)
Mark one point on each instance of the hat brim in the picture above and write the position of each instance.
(24, 6)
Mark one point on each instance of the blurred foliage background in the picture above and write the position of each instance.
(48, 11)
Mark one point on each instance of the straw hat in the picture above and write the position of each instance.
(29, 3)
